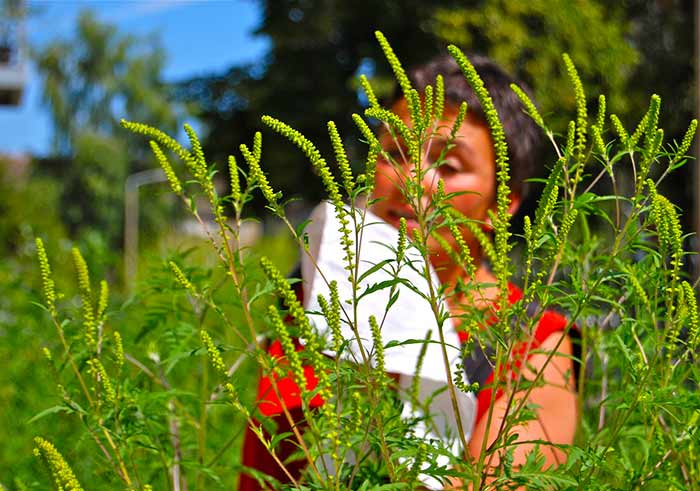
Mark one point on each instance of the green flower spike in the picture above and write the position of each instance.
(257, 146)
(378, 350)
(311, 153)
(83, 276)
(653, 119)
(501, 264)
(258, 177)
(333, 321)
(318, 361)
(198, 165)
(465, 256)
(100, 374)
(411, 96)
(369, 92)
(668, 228)
(646, 123)
(285, 292)
(461, 114)
(293, 358)
(61, 473)
(82, 272)
(619, 129)
(600, 119)
(234, 179)
(118, 349)
(407, 134)
(103, 299)
(401, 246)
(565, 227)
(180, 277)
(693, 320)
(213, 353)
(341, 158)
(439, 106)
(327, 179)
(581, 111)
(160, 137)
(687, 140)
(570, 140)
(429, 101)
(598, 142)
(48, 286)
(529, 106)
(374, 150)
(637, 287)
(167, 168)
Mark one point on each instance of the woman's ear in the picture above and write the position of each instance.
(513, 206)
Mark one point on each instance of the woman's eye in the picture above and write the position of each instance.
(449, 167)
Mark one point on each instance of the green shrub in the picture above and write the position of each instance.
(166, 404)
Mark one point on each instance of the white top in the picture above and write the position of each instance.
(409, 318)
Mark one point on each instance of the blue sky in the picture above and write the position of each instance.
(199, 36)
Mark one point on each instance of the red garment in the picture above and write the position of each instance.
(256, 456)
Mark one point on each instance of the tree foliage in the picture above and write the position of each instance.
(99, 76)
(317, 49)
(90, 82)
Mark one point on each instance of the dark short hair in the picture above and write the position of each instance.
(523, 136)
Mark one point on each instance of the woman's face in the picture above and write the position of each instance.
(469, 167)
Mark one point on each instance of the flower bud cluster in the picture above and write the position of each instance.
(293, 357)
(529, 105)
(374, 149)
(341, 158)
(234, 179)
(378, 350)
(687, 140)
(158, 136)
(61, 473)
(83, 276)
(693, 319)
(103, 300)
(118, 349)
(164, 163)
(581, 110)
(48, 286)
(180, 277)
(600, 118)
(465, 256)
(257, 176)
(296, 311)
(369, 92)
(406, 133)
(98, 371)
(332, 314)
(213, 352)
(501, 264)
(439, 106)
(619, 129)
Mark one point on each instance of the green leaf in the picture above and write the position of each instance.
(51, 410)
(374, 269)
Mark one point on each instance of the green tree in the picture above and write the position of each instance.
(318, 46)
(90, 82)
(528, 38)
(99, 76)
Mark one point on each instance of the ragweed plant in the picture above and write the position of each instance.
(165, 409)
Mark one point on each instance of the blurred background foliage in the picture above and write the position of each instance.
(626, 50)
